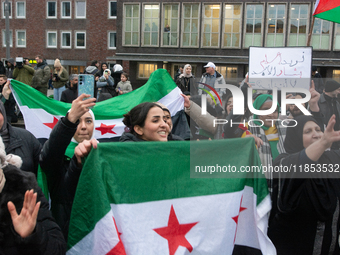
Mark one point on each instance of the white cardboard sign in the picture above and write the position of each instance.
(286, 67)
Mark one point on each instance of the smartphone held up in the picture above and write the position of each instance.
(86, 85)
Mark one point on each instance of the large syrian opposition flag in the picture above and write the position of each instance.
(41, 113)
(328, 10)
(138, 198)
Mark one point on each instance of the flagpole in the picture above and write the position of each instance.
(310, 32)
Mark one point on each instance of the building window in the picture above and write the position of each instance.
(4, 38)
(51, 39)
(254, 17)
(66, 39)
(112, 40)
(21, 38)
(66, 10)
(276, 20)
(145, 70)
(211, 25)
(190, 25)
(232, 25)
(337, 37)
(80, 9)
(9, 9)
(131, 25)
(298, 28)
(21, 10)
(170, 25)
(150, 25)
(113, 9)
(321, 35)
(80, 40)
(51, 10)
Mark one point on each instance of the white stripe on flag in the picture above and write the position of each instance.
(174, 101)
(100, 241)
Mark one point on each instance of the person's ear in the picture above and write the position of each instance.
(138, 130)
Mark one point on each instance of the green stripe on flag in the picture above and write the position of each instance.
(331, 15)
(153, 171)
(159, 85)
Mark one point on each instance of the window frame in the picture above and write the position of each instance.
(62, 8)
(334, 36)
(198, 28)
(143, 20)
(245, 24)
(108, 40)
(75, 10)
(16, 10)
(331, 25)
(124, 26)
(202, 30)
(223, 26)
(75, 39)
(3, 10)
(17, 37)
(3, 38)
(47, 39)
(145, 63)
(284, 24)
(109, 9)
(61, 39)
(163, 25)
(56, 10)
(307, 23)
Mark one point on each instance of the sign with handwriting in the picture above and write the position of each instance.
(286, 67)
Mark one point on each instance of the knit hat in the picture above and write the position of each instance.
(4, 161)
(57, 63)
(331, 86)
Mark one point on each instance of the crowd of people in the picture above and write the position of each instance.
(300, 206)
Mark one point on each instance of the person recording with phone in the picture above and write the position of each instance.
(59, 78)
(23, 72)
(105, 86)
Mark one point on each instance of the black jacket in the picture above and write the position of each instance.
(46, 238)
(128, 137)
(62, 172)
(69, 95)
(26, 146)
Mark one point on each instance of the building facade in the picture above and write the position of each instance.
(76, 31)
(167, 34)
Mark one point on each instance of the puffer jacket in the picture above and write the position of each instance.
(41, 77)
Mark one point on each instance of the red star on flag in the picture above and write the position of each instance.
(119, 248)
(51, 125)
(175, 233)
(236, 217)
(106, 129)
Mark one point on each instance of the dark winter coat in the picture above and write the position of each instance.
(70, 94)
(62, 172)
(46, 238)
(26, 146)
(41, 77)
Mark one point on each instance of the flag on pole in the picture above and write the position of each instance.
(327, 10)
(41, 113)
(138, 198)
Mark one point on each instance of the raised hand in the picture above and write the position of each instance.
(80, 107)
(84, 148)
(186, 101)
(24, 224)
(314, 98)
(6, 91)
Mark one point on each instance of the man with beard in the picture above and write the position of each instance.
(70, 93)
(41, 75)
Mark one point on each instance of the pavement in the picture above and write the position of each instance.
(21, 122)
